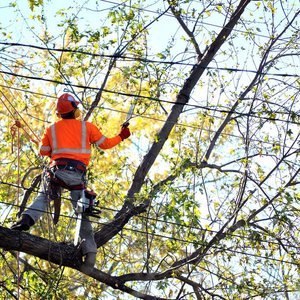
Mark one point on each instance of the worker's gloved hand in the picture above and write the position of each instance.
(125, 133)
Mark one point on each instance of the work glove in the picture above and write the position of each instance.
(125, 133)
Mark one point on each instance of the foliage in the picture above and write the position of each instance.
(209, 177)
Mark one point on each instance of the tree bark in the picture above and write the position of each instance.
(182, 100)
(58, 253)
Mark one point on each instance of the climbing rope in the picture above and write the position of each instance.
(17, 117)
(17, 129)
(16, 139)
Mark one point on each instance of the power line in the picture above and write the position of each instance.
(145, 60)
(28, 91)
(217, 248)
(157, 220)
(155, 119)
(122, 111)
(250, 114)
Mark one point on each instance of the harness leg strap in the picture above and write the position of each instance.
(56, 197)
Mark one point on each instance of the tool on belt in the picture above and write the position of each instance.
(85, 205)
(53, 185)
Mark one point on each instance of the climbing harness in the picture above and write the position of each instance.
(53, 186)
(36, 181)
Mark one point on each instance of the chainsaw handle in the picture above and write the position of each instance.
(125, 124)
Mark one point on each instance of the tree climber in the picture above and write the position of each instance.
(68, 144)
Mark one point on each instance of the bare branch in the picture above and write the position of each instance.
(186, 29)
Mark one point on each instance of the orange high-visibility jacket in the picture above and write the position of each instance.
(71, 138)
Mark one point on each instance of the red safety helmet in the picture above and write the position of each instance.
(66, 103)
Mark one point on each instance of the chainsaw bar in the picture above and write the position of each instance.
(129, 115)
(77, 229)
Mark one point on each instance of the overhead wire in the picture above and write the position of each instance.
(204, 230)
(189, 242)
(196, 106)
(149, 117)
(218, 248)
(146, 60)
(250, 114)
(170, 102)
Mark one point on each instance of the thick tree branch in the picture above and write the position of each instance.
(123, 216)
(182, 99)
(61, 254)
(58, 253)
(108, 231)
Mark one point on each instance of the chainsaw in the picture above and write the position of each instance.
(86, 205)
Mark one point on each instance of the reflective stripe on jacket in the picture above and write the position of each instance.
(71, 138)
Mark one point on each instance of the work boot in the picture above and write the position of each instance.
(88, 264)
(23, 224)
